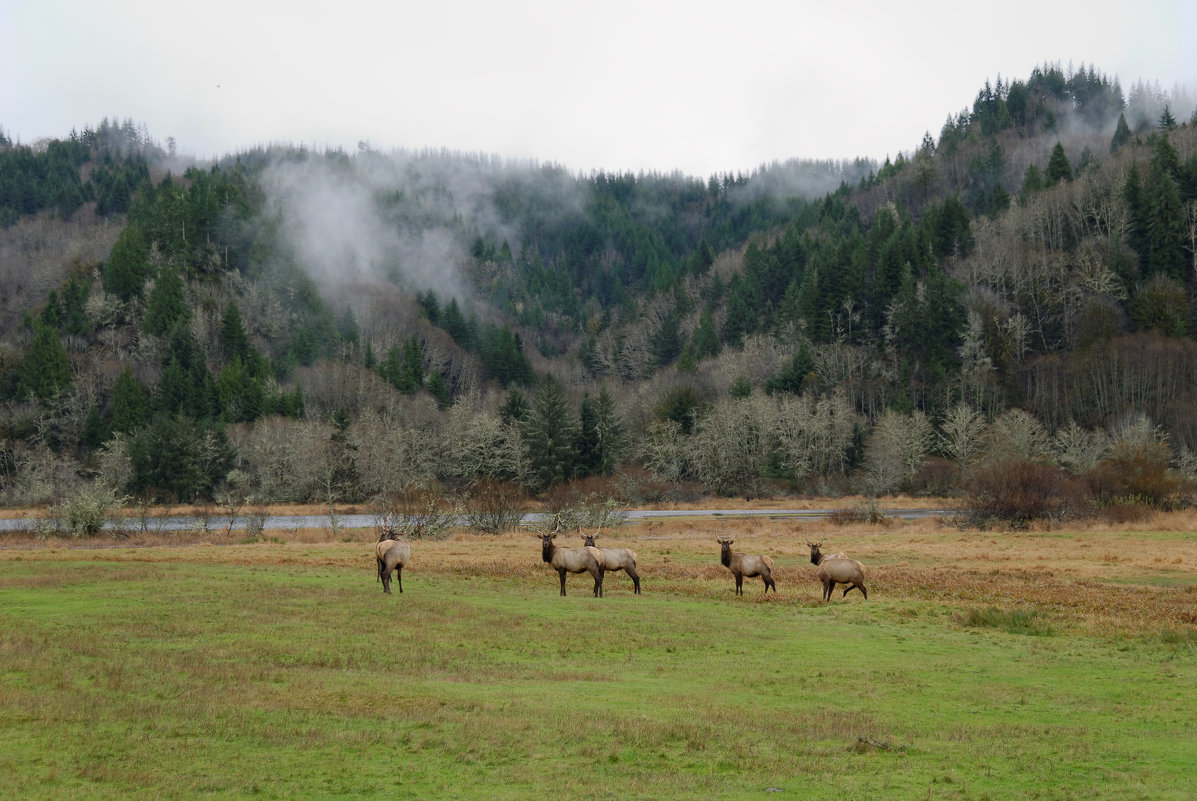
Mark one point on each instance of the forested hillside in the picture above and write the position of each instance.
(1013, 296)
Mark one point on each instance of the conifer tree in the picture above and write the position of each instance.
(706, 339)
(1122, 134)
(167, 305)
(549, 437)
(47, 368)
(129, 405)
(610, 434)
(233, 339)
(127, 267)
(1058, 167)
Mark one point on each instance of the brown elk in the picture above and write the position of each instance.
(616, 559)
(391, 553)
(837, 569)
(572, 560)
(742, 565)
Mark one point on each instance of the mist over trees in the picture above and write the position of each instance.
(332, 327)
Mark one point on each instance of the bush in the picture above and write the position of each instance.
(937, 477)
(85, 511)
(1138, 473)
(415, 512)
(1125, 510)
(494, 506)
(859, 513)
(1018, 492)
(594, 502)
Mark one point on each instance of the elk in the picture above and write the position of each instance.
(572, 560)
(837, 569)
(742, 565)
(616, 559)
(391, 553)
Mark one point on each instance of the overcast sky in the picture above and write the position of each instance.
(701, 87)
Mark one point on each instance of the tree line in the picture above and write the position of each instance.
(706, 333)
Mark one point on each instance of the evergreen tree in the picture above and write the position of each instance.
(241, 396)
(128, 264)
(504, 358)
(186, 385)
(94, 431)
(706, 339)
(1122, 134)
(454, 323)
(587, 445)
(439, 389)
(515, 408)
(667, 342)
(741, 387)
(1164, 157)
(51, 315)
(1058, 167)
(1167, 122)
(1032, 182)
(74, 307)
(167, 305)
(549, 437)
(1165, 231)
(130, 409)
(609, 431)
(794, 375)
(403, 367)
(233, 339)
(1134, 197)
(176, 458)
(738, 315)
(47, 369)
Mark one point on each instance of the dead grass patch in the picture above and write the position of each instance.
(1106, 577)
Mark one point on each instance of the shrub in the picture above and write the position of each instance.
(594, 502)
(1018, 492)
(1125, 510)
(937, 476)
(84, 512)
(494, 506)
(416, 512)
(859, 513)
(1140, 473)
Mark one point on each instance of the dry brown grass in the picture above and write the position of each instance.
(1103, 577)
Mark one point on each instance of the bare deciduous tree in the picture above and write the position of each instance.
(896, 450)
(1017, 435)
(733, 442)
(1078, 450)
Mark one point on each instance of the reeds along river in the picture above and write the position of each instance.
(357, 521)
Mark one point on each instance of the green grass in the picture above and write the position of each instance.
(1012, 621)
(139, 680)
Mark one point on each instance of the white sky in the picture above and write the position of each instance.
(695, 85)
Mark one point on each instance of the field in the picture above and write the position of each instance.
(1057, 664)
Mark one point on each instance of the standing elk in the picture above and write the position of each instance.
(742, 565)
(616, 559)
(572, 560)
(391, 553)
(837, 569)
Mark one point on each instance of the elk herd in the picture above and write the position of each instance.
(392, 553)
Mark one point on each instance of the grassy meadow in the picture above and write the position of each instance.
(1056, 664)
